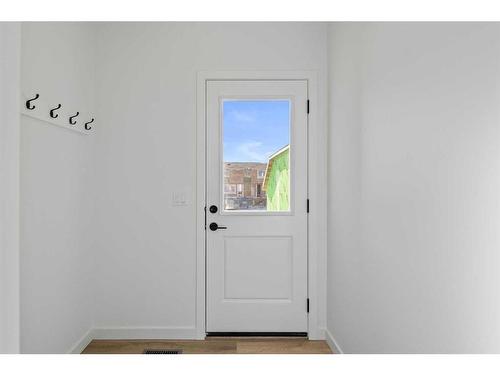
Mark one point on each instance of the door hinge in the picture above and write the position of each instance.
(205, 208)
(307, 206)
(307, 106)
(308, 305)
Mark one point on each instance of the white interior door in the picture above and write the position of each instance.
(256, 220)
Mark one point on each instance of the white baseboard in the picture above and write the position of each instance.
(146, 333)
(334, 346)
(81, 344)
(134, 333)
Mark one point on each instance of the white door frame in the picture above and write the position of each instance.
(315, 185)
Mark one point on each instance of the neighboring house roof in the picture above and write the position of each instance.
(270, 164)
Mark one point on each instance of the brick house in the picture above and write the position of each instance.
(243, 185)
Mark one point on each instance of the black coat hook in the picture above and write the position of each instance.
(72, 117)
(28, 102)
(89, 127)
(52, 111)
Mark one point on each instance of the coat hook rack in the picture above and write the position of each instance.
(38, 106)
(87, 123)
(71, 121)
(28, 102)
(52, 111)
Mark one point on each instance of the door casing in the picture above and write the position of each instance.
(315, 183)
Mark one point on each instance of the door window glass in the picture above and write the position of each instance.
(256, 155)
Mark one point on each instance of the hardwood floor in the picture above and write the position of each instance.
(215, 345)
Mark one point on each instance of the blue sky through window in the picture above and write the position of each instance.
(255, 129)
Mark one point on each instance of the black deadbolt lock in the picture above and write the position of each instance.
(213, 209)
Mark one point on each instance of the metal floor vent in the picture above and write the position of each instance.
(163, 351)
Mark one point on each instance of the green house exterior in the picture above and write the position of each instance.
(277, 181)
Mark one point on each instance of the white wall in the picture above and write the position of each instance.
(147, 150)
(58, 62)
(414, 209)
(10, 55)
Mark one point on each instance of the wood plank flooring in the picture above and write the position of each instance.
(215, 345)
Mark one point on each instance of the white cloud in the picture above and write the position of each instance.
(252, 151)
(243, 116)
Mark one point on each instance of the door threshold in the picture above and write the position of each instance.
(257, 334)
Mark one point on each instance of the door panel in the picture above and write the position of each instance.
(257, 179)
(271, 256)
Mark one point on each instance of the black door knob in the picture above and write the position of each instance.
(215, 226)
(213, 209)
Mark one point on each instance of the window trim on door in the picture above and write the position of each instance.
(316, 183)
(291, 209)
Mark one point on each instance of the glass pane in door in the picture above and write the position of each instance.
(256, 155)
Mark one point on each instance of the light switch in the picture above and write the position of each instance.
(179, 198)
